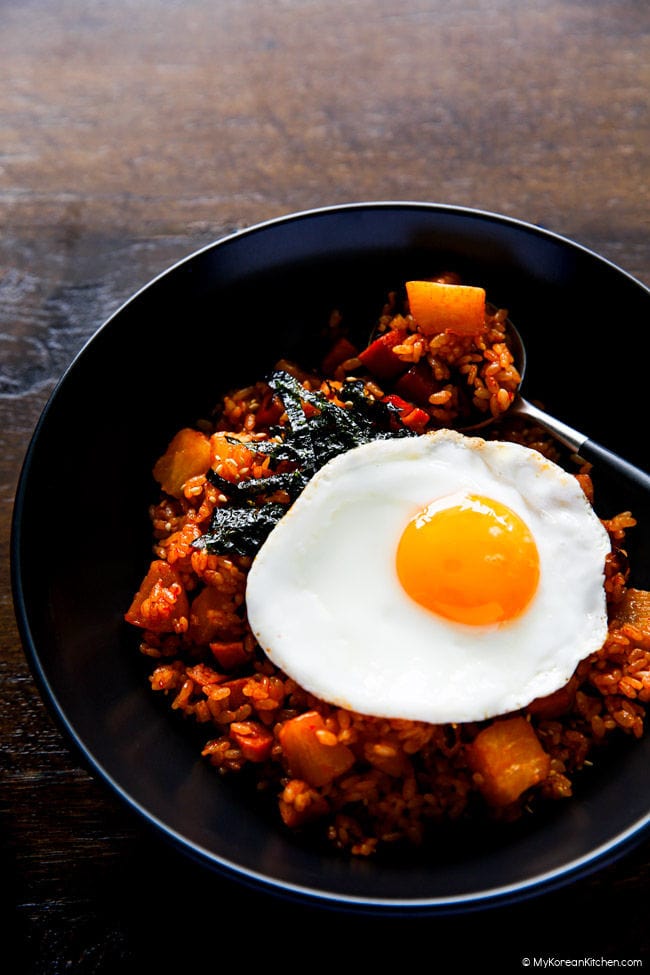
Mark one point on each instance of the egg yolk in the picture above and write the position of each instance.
(475, 562)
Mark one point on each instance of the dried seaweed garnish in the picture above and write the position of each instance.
(333, 429)
(240, 531)
(290, 481)
(307, 441)
(293, 395)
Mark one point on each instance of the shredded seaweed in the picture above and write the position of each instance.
(240, 531)
(291, 481)
(306, 442)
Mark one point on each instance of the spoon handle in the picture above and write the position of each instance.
(595, 453)
(588, 449)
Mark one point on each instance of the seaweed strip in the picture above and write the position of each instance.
(240, 531)
(240, 492)
(292, 394)
(309, 442)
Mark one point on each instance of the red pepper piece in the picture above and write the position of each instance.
(342, 350)
(411, 416)
(269, 411)
(418, 384)
(379, 358)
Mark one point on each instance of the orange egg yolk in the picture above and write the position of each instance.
(475, 562)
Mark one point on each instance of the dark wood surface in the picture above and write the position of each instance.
(131, 134)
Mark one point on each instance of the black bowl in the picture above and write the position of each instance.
(220, 318)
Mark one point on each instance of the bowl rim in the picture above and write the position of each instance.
(405, 204)
(595, 860)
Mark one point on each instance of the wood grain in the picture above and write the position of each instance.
(132, 134)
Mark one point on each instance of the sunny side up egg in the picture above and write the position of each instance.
(440, 578)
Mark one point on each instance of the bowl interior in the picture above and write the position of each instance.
(220, 319)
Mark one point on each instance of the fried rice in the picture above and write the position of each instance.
(400, 779)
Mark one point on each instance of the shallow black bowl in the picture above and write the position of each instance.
(221, 318)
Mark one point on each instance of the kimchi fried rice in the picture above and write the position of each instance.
(368, 782)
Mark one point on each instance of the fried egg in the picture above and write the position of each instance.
(440, 578)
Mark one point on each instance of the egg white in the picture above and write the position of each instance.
(325, 604)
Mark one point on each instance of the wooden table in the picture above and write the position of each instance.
(132, 134)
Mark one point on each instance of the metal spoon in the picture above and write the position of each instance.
(578, 443)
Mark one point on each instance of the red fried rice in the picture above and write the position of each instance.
(400, 779)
